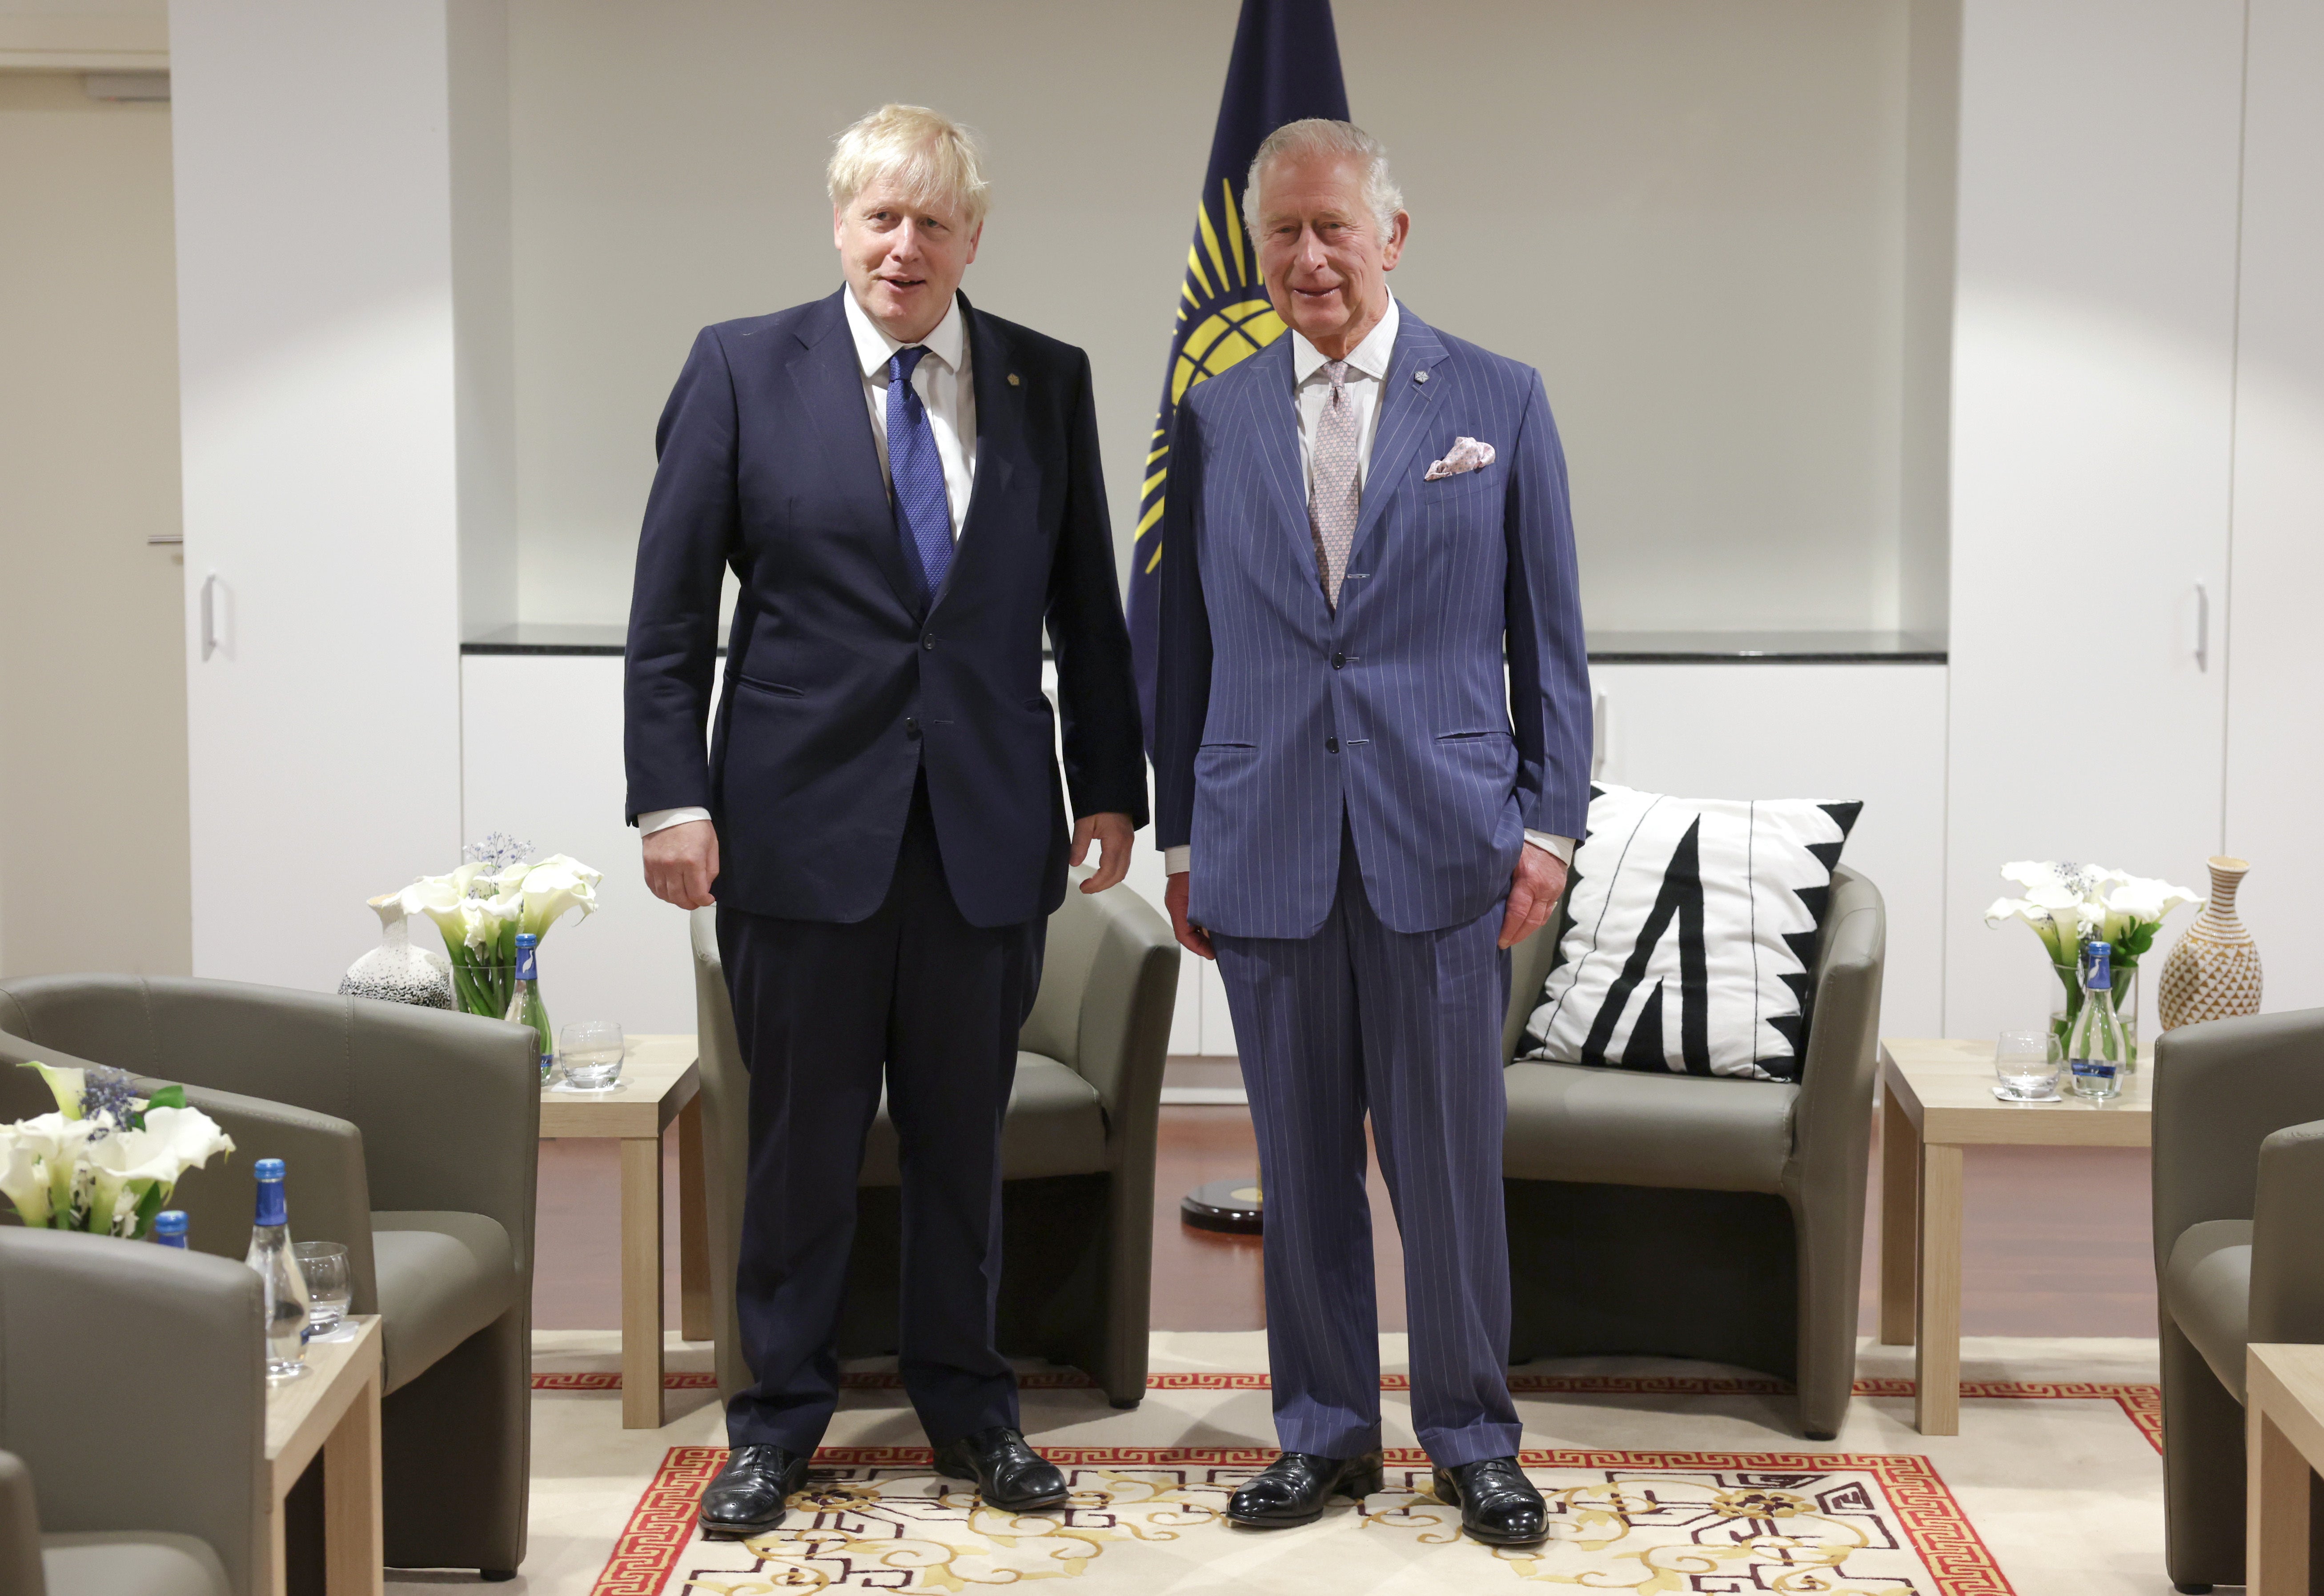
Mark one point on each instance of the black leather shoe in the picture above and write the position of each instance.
(748, 1497)
(1499, 1505)
(1009, 1474)
(1294, 1488)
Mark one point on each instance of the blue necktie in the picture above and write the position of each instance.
(917, 472)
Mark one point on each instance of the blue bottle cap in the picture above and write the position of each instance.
(169, 1227)
(268, 1169)
(527, 939)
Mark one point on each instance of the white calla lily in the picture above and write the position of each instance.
(128, 1164)
(66, 1085)
(23, 1180)
(555, 887)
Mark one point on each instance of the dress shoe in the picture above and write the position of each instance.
(748, 1496)
(1009, 1474)
(1499, 1505)
(1294, 1488)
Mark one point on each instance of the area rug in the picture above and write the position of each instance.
(1683, 1478)
(1150, 1519)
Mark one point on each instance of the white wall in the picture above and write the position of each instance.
(2276, 670)
(92, 673)
(320, 432)
(2092, 406)
(1691, 214)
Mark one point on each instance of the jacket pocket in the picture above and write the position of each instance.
(779, 690)
(1469, 736)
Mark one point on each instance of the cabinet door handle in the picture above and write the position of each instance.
(210, 616)
(2202, 627)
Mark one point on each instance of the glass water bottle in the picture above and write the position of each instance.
(286, 1288)
(525, 1006)
(2097, 1050)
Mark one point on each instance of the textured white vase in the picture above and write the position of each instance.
(395, 971)
(2213, 973)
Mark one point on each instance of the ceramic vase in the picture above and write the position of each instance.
(2213, 973)
(395, 971)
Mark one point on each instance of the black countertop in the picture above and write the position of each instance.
(1606, 648)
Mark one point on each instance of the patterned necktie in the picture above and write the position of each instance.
(917, 472)
(1335, 493)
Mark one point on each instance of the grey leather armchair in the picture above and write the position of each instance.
(412, 1135)
(1077, 1154)
(2239, 1256)
(1696, 1216)
(133, 1412)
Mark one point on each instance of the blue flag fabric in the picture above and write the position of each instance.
(1286, 66)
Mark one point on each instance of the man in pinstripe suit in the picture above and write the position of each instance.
(1371, 749)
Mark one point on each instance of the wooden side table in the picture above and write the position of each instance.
(1937, 1099)
(2284, 1429)
(333, 1410)
(659, 1083)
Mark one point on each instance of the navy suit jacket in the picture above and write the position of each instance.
(1276, 717)
(842, 678)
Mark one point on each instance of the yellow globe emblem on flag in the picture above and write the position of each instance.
(1235, 333)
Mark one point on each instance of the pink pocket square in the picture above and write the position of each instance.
(1467, 454)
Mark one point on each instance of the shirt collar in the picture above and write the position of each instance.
(874, 348)
(1370, 357)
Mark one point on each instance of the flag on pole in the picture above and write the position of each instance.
(1286, 66)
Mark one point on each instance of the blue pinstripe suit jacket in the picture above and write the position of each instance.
(1274, 715)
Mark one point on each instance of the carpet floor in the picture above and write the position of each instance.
(1661, 1477)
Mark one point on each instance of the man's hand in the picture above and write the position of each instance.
(681, 863)
(1534, 888)
(1191, 937)
(1112, 834)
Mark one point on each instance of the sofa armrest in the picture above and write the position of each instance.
(2287, 1263)
(1834, 1117)
(20, 1530)
(2220, 1089)
(1122, 1027)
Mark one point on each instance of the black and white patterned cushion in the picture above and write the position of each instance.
(1694, 926)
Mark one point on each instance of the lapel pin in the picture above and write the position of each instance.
(1420, 376)
(1012, 379)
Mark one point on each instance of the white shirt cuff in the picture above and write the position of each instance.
(654, 820)
(1562, 846)
(1179, 860)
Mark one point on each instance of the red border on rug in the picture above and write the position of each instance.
(662, 1526)
(2141, 1405)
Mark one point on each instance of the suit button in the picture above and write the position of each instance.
(911, 729)
(929, 641)
(1331, 745)
(1339, 661)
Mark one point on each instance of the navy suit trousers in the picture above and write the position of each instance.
(1408, 1025)
(823, 1011)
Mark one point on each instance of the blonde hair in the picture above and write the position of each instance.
(1318, 136)
(932, 156)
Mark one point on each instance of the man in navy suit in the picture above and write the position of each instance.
(908, 491)
(1371, 750)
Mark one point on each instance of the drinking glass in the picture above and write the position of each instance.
(2026, 1063)
(329, 1287)
(590, 1052)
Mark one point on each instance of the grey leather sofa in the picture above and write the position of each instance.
(2239, 1256)
(133, 1412)
(1077, 1154)
(1695, 1216)
(412, 1135)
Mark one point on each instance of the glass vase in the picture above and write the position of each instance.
(2066, 1005)
(395, 971)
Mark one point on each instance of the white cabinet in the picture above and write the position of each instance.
(1869, 732)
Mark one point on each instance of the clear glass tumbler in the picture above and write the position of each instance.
(590, 1053)
(329, 1287)
(2026, 1065)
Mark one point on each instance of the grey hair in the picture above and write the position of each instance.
(1319, 135)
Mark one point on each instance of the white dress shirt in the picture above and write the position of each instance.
(948, 392)
(1365, 379)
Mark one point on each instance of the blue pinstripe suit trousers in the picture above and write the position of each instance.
(1408, 1025)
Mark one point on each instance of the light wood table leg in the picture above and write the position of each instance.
(692, 1227)
(1936, 1357)
(2276, 1535)
(278, 1577)
(1900, 1219)
(352, 1549)
(641, 1283)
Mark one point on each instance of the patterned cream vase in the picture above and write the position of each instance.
(2213, 973)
